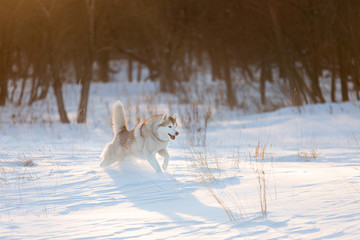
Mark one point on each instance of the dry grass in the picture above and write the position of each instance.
(207, 166)
(312, 154)
(194, 121)
(213, 171)
(257, 161)
(210, 169)
(230, 213)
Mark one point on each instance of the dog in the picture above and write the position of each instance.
(144, 141)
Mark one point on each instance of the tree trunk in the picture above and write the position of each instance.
(103, 62)
(43, 84)
(85, 89)
(355, 77)
(333, 86)
(342, 73)
(57, 85)
(33, 91)
(231, 96)
(21, 91)
(342, 56)
(215, 71)
(344, 87)
(313, 68)
(263, 76)
(130, 70)
(286, 67)
(4, 68)
(139, 68)
(166, 80)
(44, 92)
(88, 61)
(82, 112)
(3, 88)
(315, 85)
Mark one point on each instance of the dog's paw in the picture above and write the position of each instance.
(107, 162)
(103, 164)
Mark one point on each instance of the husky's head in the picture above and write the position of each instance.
(167, 128)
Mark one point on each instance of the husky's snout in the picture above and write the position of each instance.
(173, 136)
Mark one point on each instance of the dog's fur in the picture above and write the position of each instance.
(144, 141)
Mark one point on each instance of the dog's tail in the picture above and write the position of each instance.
(118, 117)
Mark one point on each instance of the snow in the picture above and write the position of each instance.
(302, 163)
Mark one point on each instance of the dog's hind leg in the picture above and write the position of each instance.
(153, 162)
(164, 153)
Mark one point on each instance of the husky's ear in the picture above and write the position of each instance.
(166, 115)
(175, 117)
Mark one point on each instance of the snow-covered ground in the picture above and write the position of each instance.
(289, 174)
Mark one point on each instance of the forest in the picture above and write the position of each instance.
(42, 40)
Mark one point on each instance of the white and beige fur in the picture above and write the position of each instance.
(144, 141)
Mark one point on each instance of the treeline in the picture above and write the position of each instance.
(41, 39)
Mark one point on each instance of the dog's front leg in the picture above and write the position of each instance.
(164, 153)
(153, 162)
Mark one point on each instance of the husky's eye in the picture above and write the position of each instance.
(170, 126)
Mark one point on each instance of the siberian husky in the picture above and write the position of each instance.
(144, 141)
